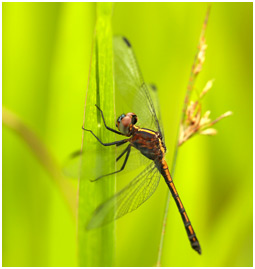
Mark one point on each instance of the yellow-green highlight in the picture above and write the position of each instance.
(46, 57)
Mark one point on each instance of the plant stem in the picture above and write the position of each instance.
(192, 78)
(166, 209)
(39, 149)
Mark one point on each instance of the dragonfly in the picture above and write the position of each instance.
(147, 140)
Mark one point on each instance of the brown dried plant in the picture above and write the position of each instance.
(192, 120)
(195, 122)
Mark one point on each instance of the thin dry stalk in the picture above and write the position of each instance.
(195, 70)
(197, 64)
(46, 159)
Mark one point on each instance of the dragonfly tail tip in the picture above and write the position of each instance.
(196, 247)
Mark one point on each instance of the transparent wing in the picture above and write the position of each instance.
(153, 91)
(132, 94)
(95, 163)
(128, 199)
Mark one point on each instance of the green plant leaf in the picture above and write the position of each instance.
(96, 247)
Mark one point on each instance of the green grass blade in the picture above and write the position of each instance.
(96, 247)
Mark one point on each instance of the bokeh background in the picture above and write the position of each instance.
(46, 56)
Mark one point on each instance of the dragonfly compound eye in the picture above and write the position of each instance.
(133, 117)
(124, 125)
(119, 120)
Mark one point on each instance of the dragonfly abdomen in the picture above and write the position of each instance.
(163, 168)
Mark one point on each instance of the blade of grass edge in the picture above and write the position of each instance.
(96, 247)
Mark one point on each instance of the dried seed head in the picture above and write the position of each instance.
(205, 119)
(226, 114)
(194, 121)
(200, 57)
(207, 87)
(209, 131)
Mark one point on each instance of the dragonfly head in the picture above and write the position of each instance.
(125, 123)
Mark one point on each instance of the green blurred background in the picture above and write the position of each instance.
(46, 56)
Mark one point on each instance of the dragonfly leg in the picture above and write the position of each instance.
(108, 128)
(120, 142)
(123, 165)
(124, 151)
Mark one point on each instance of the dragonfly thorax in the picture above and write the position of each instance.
(125, 123)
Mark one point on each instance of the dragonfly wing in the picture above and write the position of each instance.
(92, 164)
(153, 91)
(132, 94)
(128, 199)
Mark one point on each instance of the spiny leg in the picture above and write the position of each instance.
(127, 151)
(108, 128)
(118, 143)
